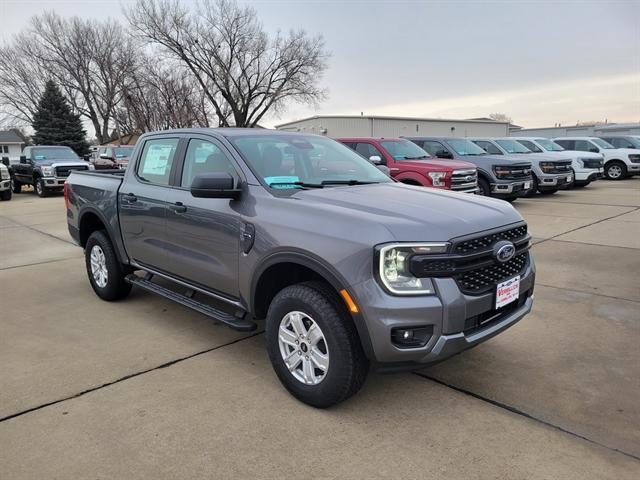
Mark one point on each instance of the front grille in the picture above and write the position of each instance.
(490, 317)
(592, 163)
(561, 167)
(66, 171)
(487, 241)
(486, 278)
(513, 172)
(464, 180)
(472, 262)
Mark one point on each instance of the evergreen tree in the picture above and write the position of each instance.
(55, 124)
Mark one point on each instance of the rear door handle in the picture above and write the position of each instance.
(130, 197)
(178, 207)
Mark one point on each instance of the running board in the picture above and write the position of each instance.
(236, 323)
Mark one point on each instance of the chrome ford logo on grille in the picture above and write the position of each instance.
(504, 251)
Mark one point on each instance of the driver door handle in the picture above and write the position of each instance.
(130, 198)
(178, 207)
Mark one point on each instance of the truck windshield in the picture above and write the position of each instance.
(602, 144)
(465, 147)
(548, 145)
(305, 161)
(404, 150)
(54, 153)
(123, 152)
(511, 146)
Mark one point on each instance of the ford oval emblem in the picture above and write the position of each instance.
(504, 251)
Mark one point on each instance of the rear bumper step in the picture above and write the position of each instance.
(240, 324)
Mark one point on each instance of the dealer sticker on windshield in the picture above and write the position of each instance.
(507, 291)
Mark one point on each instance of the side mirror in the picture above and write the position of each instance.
(594, 150)
(23, 159)
(105, 156)
(376, 160)
(214, 185)
(444, 154)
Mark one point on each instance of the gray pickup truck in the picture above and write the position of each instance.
(348, 267)
(499, 176)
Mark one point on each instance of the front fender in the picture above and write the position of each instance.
(415, 177)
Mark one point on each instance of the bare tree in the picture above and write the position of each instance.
(160, 96)
(242, 71)
(500, 117)
(89, 59)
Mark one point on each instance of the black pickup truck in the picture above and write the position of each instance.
(348, 267)
(46, 168)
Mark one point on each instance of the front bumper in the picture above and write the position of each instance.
(446, 314)
(633, 168)
(5, 185)
(555, 181)
(54, 182)
(588, 174)
(509, 188)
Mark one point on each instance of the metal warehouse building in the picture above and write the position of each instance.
(581, 130)
(374, 126)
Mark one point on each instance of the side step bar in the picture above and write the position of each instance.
(236, 323)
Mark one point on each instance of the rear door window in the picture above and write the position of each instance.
(566, 144)
(157, 160)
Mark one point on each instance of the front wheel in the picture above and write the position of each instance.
(483, 188)
(548, 191)
(16, 186)
(314, 346)
(6, 195)
(615, 170)
(106, 273)
(40, 189)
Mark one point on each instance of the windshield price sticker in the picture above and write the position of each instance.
(507, 291)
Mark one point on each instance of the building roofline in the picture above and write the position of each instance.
(383, 117)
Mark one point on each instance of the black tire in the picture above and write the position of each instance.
(484, 188)
(615, 170)
(348, 365)
(580, 184)
(116, 287)
(548, 191)
(16, 186)
(510, 199)
(6, 195)
(39, 188)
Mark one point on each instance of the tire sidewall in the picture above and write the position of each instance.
(327, 317)
(40, 189)
(619, 164)
(114, 287)
(485, 189)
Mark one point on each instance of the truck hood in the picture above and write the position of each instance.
(542, 157)
(412, 213)
(433, 164)
(510, 160)
(61, 163)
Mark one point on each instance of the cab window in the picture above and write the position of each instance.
(204, 157)
(488, 147)
(156, 160)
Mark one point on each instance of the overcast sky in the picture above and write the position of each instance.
(541, 62)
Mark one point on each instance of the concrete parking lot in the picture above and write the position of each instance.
(144, 388)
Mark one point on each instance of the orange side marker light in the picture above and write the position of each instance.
(353, 308)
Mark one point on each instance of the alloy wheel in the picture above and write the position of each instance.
(303, 348)
(99, 266)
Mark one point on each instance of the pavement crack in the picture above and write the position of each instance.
(595, 294)
(126, 377)
(585, 226)
(522, 413)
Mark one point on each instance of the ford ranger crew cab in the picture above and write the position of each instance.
(549, 173)
(499, 176)
(587, 167)
(348, 267)
(410, 164)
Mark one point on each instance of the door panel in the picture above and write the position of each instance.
(203, 233)
(143, 200)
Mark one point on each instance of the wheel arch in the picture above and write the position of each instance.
(91, 220)
(283, 269)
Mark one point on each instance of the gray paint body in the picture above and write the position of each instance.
(332, 230)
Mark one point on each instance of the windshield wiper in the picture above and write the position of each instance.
(298, 184)
(346, 182)
(407, 157)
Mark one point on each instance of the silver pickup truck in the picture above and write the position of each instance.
(348, 267)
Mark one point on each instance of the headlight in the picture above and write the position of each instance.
(547, 167)
(437, 178)
(393, 268)
(47, 171)
(634, 158)
(501, 171)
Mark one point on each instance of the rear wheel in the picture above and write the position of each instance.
(314, 346)
(106, 273)
(615, 170)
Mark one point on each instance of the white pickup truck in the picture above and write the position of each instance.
(619, 163)
(587, 167)
(5, 181)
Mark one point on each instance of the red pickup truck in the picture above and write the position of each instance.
(410, 164)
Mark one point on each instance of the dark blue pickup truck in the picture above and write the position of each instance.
(348, 267)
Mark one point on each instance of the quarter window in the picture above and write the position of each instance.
(204, 157)
(157, 159)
